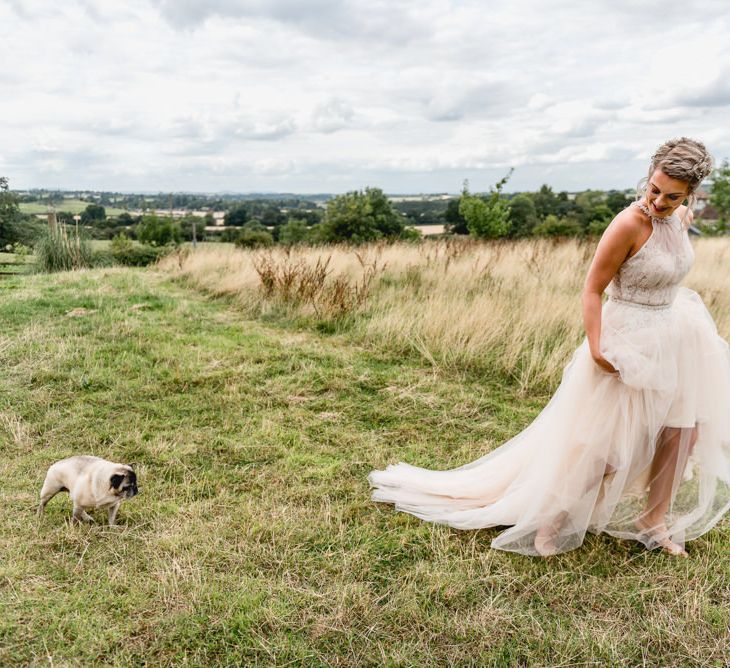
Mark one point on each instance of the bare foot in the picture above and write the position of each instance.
(545, 540)
(659, 534)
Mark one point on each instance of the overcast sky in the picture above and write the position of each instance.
(329, 96)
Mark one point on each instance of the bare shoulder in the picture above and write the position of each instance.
(628, 226)
(620, 240)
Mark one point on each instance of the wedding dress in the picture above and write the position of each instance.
(587, 462)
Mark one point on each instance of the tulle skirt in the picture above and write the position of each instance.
(608, 449)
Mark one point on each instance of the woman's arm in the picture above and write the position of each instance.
(614, 247)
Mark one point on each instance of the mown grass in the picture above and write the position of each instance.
(73, 206)
(254, 541)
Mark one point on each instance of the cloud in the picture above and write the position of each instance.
(381, 20)
(243, 94)
(455, 101)
(265, 130)
(715, 93)
(331, 116)
(539, 101)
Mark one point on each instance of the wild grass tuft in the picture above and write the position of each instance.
(58, 250)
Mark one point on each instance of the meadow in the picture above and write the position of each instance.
(254, 391)
(73, 206)
(506, 308)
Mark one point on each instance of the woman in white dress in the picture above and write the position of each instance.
(635, 442)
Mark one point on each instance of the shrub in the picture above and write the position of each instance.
(713, 228)
(360, 216)
(294, 232)
(553, 226)
(129, 254)
(253, 238)
(25, 230)
(410, 234)
(21, 250)
(57, 250)
(486, 217)
(158, 231)
(102, 258)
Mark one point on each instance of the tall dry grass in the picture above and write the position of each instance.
(508, 307)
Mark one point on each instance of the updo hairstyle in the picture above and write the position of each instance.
(683, 159)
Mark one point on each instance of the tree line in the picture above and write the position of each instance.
(361, 216)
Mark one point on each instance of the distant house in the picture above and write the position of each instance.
(703, 200)
(706, 213)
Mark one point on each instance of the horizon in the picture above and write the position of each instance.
(281, 193)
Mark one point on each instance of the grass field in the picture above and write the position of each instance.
(11, 263)
(69, 205)
(511, 308)
(253, 541)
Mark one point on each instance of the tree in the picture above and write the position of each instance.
(125, 219)
(310, 217)
(546, 202)
(237, 216)
(294, 232)
(553, 226)
(55, 198)
(273, 217)
(600, 217)
(455, 222)
(387, 220)
(565, 205)
(720, 196)
(158, 231)
(586, 203)
(522, 215)
(9, 212)
(186, 228)
(617, 201)
(486, 217)
(93, 214)
(360, 216)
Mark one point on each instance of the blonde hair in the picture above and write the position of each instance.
(683, 159)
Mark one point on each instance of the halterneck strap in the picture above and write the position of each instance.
(658, 219)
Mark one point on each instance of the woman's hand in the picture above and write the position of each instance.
(605, 364)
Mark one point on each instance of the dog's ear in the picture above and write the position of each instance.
(116, 480)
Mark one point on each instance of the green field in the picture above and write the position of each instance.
(69, 205)
(253, 540)
(10, 263)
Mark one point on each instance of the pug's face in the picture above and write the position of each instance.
(124, 483)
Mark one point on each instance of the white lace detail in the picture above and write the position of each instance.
(651, 276)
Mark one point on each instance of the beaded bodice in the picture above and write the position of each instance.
(651, 276)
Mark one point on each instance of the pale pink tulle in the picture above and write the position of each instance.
(585, 463)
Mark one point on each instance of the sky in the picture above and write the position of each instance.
(326, 96)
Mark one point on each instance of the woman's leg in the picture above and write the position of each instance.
(547, 535)
(670, 459)
(674, 447)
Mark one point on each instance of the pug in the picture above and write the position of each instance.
(92, 482)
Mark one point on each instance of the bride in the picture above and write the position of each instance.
(635, 442)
